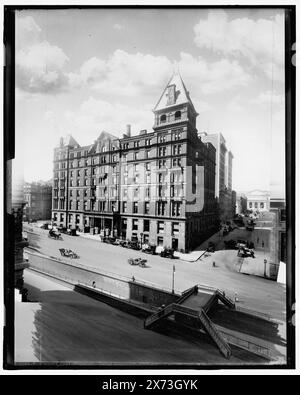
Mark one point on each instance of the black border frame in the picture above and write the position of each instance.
(9, 153)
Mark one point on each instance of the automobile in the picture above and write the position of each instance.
(68, 253)
(120, 242)
(241, 244)
(167, 253)
(244, 252)
(109, 240)
(137, 262)
(54, 235)
(124, 243)
(134, 245)
(149, 249)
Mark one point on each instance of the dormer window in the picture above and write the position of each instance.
(163, 118)
(177, 115)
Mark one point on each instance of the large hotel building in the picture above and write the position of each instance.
(157, 187)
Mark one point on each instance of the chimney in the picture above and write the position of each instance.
(128, 130)
(61, 142)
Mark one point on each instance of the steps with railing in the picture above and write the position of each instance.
(214, 334)
(187, 293)
(200, 315)
(163, 313)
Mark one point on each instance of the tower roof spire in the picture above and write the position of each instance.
(175, 93)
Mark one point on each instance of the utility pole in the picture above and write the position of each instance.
(173, 275)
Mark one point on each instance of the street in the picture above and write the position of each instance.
(253, 292)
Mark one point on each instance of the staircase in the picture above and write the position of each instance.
(215, 334)
(224, 299)
(187, 293)
(200, 315)
(153, 318)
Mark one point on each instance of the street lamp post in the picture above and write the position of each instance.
(141, 235)
(173, 278)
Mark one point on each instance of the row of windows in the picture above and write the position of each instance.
(176, 150)
(261, 205)
(163, 117)
(161, 139)
(160, 208)
(146, 226)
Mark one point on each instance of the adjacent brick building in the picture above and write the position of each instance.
(156, 187)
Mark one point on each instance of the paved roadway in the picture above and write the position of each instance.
(253, 292)
(66, 327)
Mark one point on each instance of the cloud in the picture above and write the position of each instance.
(126, 74)
(212, 77)
(260, 42)
(123, 73)
(117, 26)
(39, 64)
(234, 105)
(269, 97)
(27, 32)
(95, 115)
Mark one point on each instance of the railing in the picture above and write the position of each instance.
(186, 294)
(254, 312)
(227, 301)
(201, 315)
(221, 295)
(247, 345)
(215, 335)
(96, 289)
(158, 315)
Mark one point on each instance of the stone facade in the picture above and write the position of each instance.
(223, 180)
(155, 187)
(258, 201)
(38, 201)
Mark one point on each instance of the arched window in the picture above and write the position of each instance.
(177, 114)
(163, 118)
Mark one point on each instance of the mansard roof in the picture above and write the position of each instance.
(181, 94)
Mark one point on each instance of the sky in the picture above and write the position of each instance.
(81, 72)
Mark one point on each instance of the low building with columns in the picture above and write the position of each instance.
(258, 201)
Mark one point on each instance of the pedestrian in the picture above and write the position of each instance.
(94, 284)
(235, 297)
(133, 278)
(214, 264)
(262, 244)
(257, 240)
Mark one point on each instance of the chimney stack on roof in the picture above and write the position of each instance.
(128, 130)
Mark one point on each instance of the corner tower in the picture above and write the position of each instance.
(175, 106)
